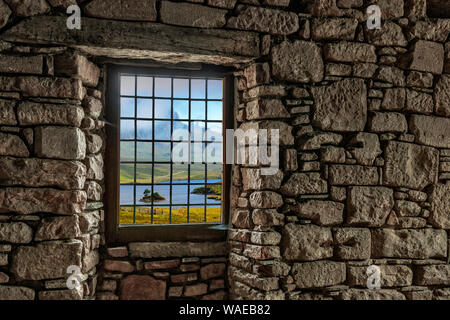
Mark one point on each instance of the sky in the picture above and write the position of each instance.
(162, 106)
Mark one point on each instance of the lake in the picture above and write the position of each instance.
(179, 194)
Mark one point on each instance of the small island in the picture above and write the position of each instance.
(215, 191)
(152, 197)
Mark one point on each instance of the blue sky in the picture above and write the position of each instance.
(162, 106)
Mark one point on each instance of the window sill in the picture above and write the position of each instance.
(164, 233)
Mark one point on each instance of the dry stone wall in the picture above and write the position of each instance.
(364, 160)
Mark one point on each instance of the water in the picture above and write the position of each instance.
(180, 194)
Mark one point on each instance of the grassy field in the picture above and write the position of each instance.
(162, 173)
(196, 215)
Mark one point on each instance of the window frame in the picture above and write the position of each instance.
(177, 232)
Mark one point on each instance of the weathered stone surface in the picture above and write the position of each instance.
(134, 10)
(257, 74)
(30, 113)
(252, 179)
(323, 8)
(394, 99)
(442, 96)
(440, 202)
(304, 183)
(58, 228)
(352, 243)
(284, 130)
(392, 75)
(419, 102)
(369, 206)
(26, 8)
(299, 61)
(349, 3)
(342, 106)
(228, 4)
(93, 107)
(196, 290)
(380, 122)
(265, 20)
(391, 276)
(318, 274)
(44, 87)
(254, 281)
(265, 200)
(94, 143)
(390, 34)
(425, 56)
(306, 242)
(415, 9)
(419, 79)
(266, 109)
(16, 293)
(26, 201)
(334, 29)
(12, 145)
(89, 221)
(242, 219)
(409, 165)
(213, 270)
(332, 154)
(404, 208)
(5, 13)
(145, 40)
(432, 275)
(324, 213)
(94, 165)
(75, 294)
(350, 52)
(267, 217)
(369, 148)
(60, 143)
(137, 287)
(7, 112)
(432, 30)
(47, 260)
(364, 70)
(15, 64)
(62, 3)
(16, 232)
(119, 265)
(415, 244)
(40, 172)
(431, 131)
(191, 15)
(93, 191)
(176, 249)
(368, 294)
(340, 174)
(389, 8)
(316, 140)
(290, 160)
(77, 66)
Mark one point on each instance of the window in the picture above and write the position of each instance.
(166, 177)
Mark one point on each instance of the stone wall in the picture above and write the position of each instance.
(365, 145)
(365, 149)
(158, 271)
(51, 172)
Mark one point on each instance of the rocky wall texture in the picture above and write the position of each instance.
(51, 172)
(365, 149)
(364, 140)
(160, 271)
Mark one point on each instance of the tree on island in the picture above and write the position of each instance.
(149, 197)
